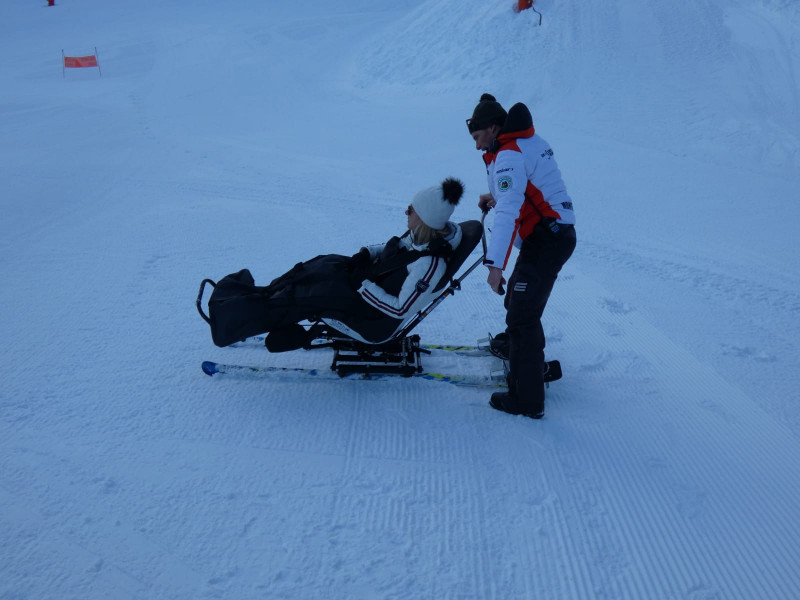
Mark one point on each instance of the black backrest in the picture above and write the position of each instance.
(471, 232)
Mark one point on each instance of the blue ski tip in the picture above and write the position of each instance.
(209, 368)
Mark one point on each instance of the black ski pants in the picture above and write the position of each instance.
(540, 259)
(324, 286)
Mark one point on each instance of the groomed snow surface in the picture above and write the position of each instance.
(225, 135)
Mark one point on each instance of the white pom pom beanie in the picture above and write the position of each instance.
(436, 204)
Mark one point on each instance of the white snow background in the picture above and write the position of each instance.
(252, 133)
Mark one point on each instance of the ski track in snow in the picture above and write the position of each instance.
(696, 490)
(744, 298)
(666, 464)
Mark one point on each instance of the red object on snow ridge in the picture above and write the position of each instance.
(522, 5)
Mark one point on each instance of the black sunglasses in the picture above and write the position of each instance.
(474, 125)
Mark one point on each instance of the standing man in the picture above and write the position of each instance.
(534, 213)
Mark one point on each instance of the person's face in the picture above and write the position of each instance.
(413, 218)
(484, 137)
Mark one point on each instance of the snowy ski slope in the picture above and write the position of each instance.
(258, 134)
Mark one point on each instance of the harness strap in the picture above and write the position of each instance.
(437, 247)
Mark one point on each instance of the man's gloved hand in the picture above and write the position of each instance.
(359, 260)
(496, 280)
(486, 202)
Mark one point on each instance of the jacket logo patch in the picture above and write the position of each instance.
(547, 154)
(505, 183)
(422, 286)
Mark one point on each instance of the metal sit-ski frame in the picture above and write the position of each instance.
(400, 354)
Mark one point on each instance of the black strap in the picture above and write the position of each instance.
(436, 247)
(398, 261)
(199, 300)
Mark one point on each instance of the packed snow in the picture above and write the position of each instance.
(217, 136)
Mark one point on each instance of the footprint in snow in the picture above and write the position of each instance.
(614, 306)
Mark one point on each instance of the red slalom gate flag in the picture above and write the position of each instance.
(79, 62)
(76, 62)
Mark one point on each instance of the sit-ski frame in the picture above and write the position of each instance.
(401, 354)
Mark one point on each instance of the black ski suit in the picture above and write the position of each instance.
(324, 287)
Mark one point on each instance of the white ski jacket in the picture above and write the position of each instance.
(424, 274)
(526, 184)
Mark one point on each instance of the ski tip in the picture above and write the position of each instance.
(209, 368)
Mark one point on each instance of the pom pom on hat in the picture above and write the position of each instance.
(488, 112)
(436, 204)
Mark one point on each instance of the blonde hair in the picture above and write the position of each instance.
(423, 234)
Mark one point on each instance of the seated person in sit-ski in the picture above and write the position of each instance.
(366, 296)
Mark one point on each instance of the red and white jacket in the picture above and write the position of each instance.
(423, 276)
(522, 172)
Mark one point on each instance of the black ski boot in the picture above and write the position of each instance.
(510, 403)
(552, 371)
(507, 403)
(498, 345)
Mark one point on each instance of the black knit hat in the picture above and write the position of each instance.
(487, 113)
